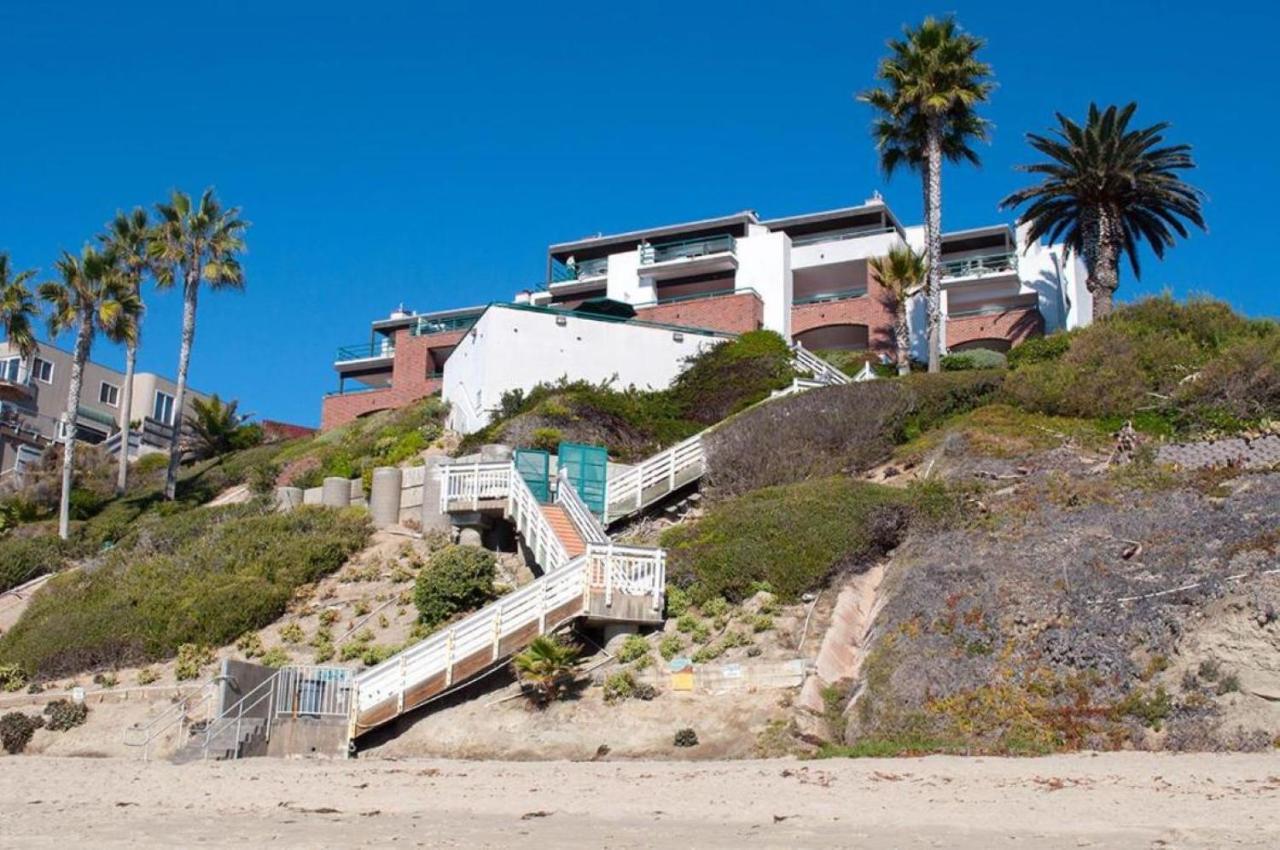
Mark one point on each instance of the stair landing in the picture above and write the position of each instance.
(564, 529)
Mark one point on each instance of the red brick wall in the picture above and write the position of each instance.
(736, 313)
(864, 310)
(1013, 325)
(409, 381)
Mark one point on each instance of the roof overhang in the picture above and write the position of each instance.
(833, 215)
(742, 218)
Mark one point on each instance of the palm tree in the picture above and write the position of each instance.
(90, 297)
(546, 665)
(126, 241)
(932, 80)
(213, 426)
(1106, 188)
(901, 273)
(194, 244)
(18, 309)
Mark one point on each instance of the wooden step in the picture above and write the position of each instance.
(564, 529)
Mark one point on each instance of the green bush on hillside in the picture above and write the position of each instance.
(634, 423)
(198, 577)
(793, 537)
(455, 579)
(1038, 350)
(25, 558)
(977, 358)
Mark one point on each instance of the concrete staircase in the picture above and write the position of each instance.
(226, 741)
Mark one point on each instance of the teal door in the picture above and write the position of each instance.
(588, 471)
(534, 467)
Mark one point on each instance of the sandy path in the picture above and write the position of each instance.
(1115, 800)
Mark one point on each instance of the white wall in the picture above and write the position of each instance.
(512, 348)
(764, 264)
(624, 281)
(843, 250)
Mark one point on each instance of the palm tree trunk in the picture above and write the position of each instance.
(1101, 260)
(933, 238)
(126, 412)
(189, 292)
(900, 331)
(69, 417)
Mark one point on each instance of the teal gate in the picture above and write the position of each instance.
(534, 467)
(588, 470)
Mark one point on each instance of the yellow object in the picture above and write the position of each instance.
(682, 680)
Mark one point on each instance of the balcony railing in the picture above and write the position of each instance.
(686, 249)
(98, 417)
(979, 266)
(839, 235)
(579, 270)
(696, 296)
(427, 326)
(991, 310)
(837, 295)
(366, 351)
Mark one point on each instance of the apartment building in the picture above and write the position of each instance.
(33, 396)
(805, 276)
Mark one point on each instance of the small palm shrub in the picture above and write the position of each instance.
(546, 667)
(456, 579)
(64, 714)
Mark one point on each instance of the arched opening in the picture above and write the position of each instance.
(990, 344)
(835, 338)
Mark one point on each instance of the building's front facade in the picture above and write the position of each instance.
(806, 277)
(33, 396)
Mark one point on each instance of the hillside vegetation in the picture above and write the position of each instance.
(634, 423)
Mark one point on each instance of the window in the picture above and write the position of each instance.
(42, 370)
(109, 394)
(10, 367)
(163, 409)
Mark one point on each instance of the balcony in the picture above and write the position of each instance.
(824, 297)
(381, 350)
(428, 326)
(17, 389)
(840, 235)
(96, 417)
(986, 265)
(688, 256)
(579, 271)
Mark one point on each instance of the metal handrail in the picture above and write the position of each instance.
(626, 489)
(821, 369)
(365, 351)
(686, 249)
(581, 269)
(167, 719)
(980, 265)
(426, 327)
(838, 295)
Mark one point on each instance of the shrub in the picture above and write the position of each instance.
(715, 607)
(250, 645)
(670, 646)
(677, 601)
(192, 659)
(1038, 350)
(455, 579)
(12, 678)
(732, 376)
(291, 632)
(547, 439)
(64, 714)
(936, 398)
(276, 656)
(16, 730)
(761, 623)
(148, 675)
(633, 647)
(545, 667)
(623, 686)
(793, 537)
(196, 577)
(977, 358)
(25, 558)
(1238, 388)
(685, 738)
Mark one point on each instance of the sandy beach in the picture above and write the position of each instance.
(1120, 800)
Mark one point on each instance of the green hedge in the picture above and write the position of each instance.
(198, 577)
(792, 537)
(25, 558)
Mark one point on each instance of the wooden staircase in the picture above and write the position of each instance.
(565, 530)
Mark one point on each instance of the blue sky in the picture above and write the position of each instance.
(424, 153)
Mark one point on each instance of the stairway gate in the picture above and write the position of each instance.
(534, 467)
(588, 470)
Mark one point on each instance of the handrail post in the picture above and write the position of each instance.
(608, 575)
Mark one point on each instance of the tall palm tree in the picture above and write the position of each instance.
(126, 241)
(89, 297)
(193, 244)
(932, 81)
(18, 309)
(901, 273)
(1104, 189)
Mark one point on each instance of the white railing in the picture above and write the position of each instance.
(200, 702)
(485, 629)
(465, 485)
(821, 369)
(631, 570)
(674, 466)
(306, 691)
(588, 526)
